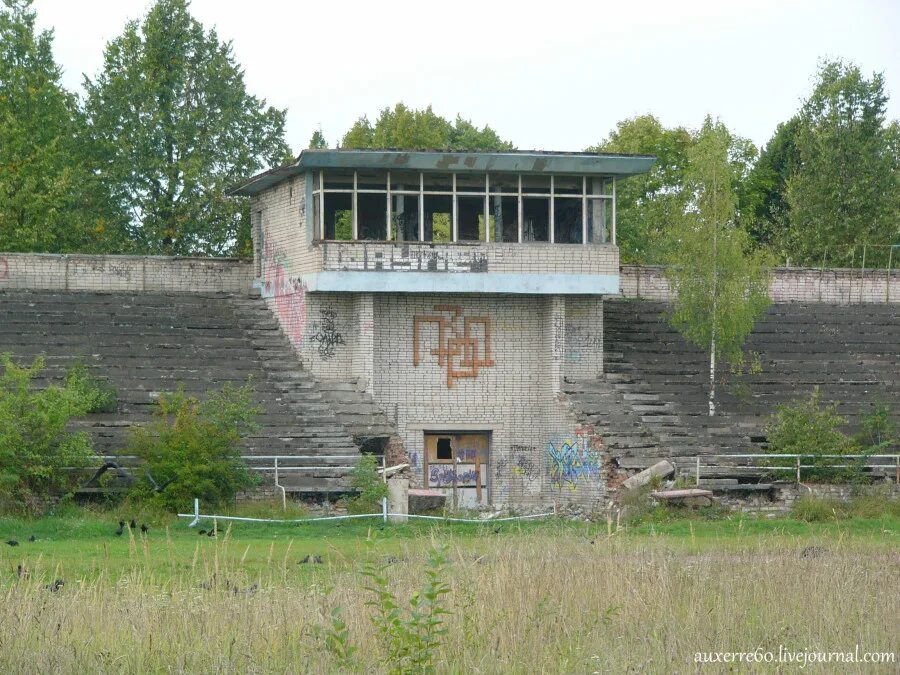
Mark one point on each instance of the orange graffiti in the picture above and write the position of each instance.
(459, 350)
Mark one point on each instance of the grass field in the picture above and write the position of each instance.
(554, 596)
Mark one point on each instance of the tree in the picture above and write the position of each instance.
(648, 204)
(845, 191)
(318, 142)
(35, 447)
(720, 286)
(406, 128)
(50, 199)
(765, 203)
(174, 126)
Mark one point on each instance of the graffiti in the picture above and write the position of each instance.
(501, 466)
(583, 337)
(459, 350)
(327, 335)
(523, 462)
(4, 268)
(466, 455)
(559, 335)
(289, 294)
(571, 460)
(403, 258)
(443, 475)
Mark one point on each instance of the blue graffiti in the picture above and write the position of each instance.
(441, 475)
(570, 462)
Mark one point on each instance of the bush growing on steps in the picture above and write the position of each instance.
(192, 448)
(105, 396)
(369, 485)
(808, 426)
(36, 451)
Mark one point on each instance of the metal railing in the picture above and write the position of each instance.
(798, 464)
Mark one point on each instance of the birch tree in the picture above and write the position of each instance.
(720, 285)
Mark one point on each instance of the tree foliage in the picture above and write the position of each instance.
(649, 204)
(192, 448)
(35, 447)
(720, 283)
(172, 126)
(845, 189)
(406, 128)
(317, 141)
(50, 199)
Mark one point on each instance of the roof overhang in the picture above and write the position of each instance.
(460, 162)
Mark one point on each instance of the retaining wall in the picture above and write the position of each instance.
(37, 271)
(789, 284)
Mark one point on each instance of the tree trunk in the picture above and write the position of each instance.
(712, 375)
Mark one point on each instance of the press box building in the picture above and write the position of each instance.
(456, 290)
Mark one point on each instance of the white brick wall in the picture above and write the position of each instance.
(123, 273)
(789, 284)
(516, 399)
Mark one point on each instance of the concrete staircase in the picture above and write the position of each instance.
(652, 400)
(145, 344)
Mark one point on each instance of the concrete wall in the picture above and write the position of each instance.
(789, 284)
(108, 273)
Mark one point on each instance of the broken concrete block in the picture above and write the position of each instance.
(661, 469)
(421, 501)
(689, 497)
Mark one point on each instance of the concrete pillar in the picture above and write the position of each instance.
(557, 316)
(364, 352)
(398, 499)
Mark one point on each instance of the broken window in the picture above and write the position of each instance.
(504, 212)
(444, 450)
(469, 218)
(371, 215)
(438, 217)
(567, 221)
(536, 218)
(338, 216)
(405, 217)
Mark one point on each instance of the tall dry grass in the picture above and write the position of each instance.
(529, 603)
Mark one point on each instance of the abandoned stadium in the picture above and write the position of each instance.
(464, 314)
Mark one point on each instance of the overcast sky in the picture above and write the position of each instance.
(553, 75)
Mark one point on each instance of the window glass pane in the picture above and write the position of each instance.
(338, 180)
(536, 218)
(438, 182)
(599, 185)
(371, 180)
(567, 220)
(470, 218)
(567, 185)
(405, 217)
(407, 181)
(504, 212)
(338, 216)
(599, 220)
(372, 216)
(538, 184)
(438, 217)
(505, 182)
(470, 182)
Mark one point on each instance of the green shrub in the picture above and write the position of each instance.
(410, 636)
(816, 509)
(369, 485)
(36, 451)
(807, 426)
(192, 448)
(878, 433)
(104, 396)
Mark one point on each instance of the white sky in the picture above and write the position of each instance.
(553, 75)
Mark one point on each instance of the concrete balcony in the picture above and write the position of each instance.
(461, 267)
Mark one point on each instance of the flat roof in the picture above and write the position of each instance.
(508, 161)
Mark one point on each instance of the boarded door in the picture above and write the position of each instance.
(458, 465)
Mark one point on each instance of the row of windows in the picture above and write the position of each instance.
(435, 207)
